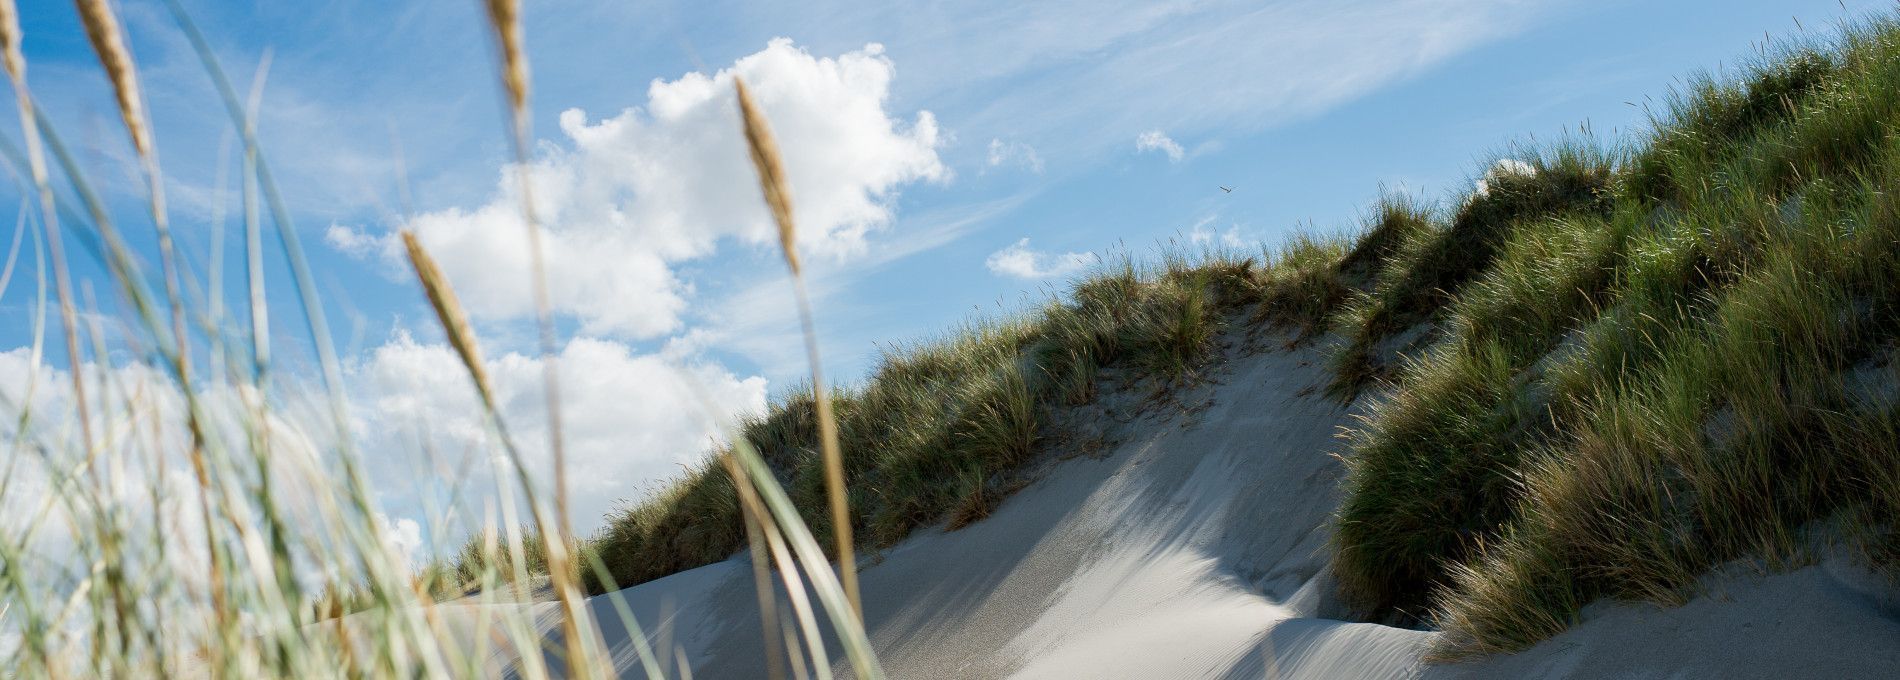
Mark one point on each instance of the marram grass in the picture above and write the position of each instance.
(1607, 372)
(1696, 368)
(778, 200)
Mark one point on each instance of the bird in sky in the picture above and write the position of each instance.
(1227, 189)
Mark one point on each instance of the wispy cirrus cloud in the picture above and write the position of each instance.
(1022, 262)
(1156, 140)
(758, 318)
(1036, 72)
(1014, 153)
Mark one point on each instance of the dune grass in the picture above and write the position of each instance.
(1691, 366)
(1600, 375)
(1419, 263)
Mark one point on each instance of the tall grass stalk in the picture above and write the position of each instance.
(504, 17)
(771, 545)
(778, 197)
(108, 42)
(756, 477)
(15, 62)
(226, 592)
(758, 549)
(462, 338)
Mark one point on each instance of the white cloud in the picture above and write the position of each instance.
(1504, 167)
(351, 241)
(1203, 233)
(402, 537)
(628, 420)
(138, 419)
(1019, 261)
(1156, 140)
(1043, 70)
(1015, 153)
(651, 187)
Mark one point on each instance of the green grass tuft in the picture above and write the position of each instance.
(1425, 268)
(1640, 369)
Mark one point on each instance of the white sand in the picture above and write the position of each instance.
(1194, 546)
(1832, 620)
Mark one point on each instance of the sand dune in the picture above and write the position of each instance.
(1192, 545)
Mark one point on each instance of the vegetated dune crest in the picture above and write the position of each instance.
(1182, 533)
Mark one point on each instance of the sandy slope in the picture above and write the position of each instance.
(1193, 545)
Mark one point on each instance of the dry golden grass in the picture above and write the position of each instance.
(448, 310)
(10, 55)
(505, 18)
(765, 159)
(778, 197)
(152, 619)
(102, 30)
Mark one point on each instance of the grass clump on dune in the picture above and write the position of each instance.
(1709, 117)
(1421, 268)
(1694, 365)
(1303, 284)
(1433, 462)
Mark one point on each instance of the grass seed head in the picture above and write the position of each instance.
(102, 29)
(10, 54)
(765, 157)
(447, 309)
(505, 16)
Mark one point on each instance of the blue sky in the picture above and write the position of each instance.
(950, 159)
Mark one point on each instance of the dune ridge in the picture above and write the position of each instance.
(1183, 535)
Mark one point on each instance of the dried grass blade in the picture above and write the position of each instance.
(448, 310)
(504, 16)
(844, 619)
(102, 30)
(778, 197)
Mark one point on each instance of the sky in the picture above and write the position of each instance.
(948, 160)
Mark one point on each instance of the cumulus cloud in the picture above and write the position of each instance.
(1503, 168)
(628, 419)
(1014, 153)
(402, 537)
(1022, 262)
(633, 194)
(1156, 140)
(138, 419)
